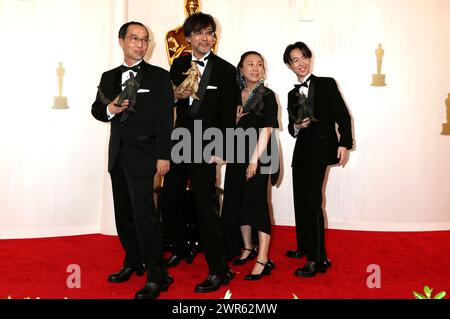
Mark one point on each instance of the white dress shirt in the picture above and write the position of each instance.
(125, 77)
(201, 68)
(303, 90)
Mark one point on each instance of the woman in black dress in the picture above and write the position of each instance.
(245, 204)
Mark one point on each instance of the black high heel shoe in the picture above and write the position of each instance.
(252, 255)
(268, 266)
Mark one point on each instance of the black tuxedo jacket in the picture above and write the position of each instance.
(329, 108)
(217, 106)
(145, 136)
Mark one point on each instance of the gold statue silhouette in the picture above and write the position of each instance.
(446, 126)
(176, 43)
(60, 102)
(379, 79)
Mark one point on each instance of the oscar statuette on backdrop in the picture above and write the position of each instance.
(446, 126)
(60, 102)
(379, 79)
(176, 43)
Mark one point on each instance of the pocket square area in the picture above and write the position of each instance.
(143, 91)
(211, 87)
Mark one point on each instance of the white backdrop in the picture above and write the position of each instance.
(53, 162)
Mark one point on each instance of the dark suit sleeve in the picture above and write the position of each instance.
(229, 102)
(341, 115)
(291, 123)
(98, 109)
(177, 76)
(164, 116)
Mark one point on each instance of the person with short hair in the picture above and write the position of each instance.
(139, 148)
(215, 109)
(317, 146)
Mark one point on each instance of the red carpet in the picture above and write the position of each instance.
(408, 261)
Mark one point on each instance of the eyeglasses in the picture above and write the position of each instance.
(135, 40)
(207, 33)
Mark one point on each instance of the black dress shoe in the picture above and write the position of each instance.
(173, 261)
(213, 282)
(190, 255)
(253, 253)
(295, 253)
(268, 266)
(229, 275)
(312, 268)
(124, 274)
(152, 289)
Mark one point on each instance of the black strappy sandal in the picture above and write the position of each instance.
(252, 255)
(268, 266)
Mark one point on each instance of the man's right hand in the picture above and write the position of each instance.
(113, 108)
(304, 124)
(182, 94)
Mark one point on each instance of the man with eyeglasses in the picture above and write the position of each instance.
(316, 147)
(216, 108)
(139, 148)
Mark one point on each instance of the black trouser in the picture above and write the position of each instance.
(202, 179)
(308, 175)
(137, 221)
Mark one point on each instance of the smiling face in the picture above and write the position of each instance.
(252, 69)
(201, 41)
(299, 64)
(134, 44)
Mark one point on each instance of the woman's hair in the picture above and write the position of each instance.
(239, 76)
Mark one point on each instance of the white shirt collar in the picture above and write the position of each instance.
(203, 58)
(124, 63)
(307, 77)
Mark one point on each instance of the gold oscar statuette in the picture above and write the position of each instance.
(60, 102)
(379, 79)
(446, 126)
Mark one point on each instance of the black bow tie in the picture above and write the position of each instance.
(298, 86)
(124, 68)
(305, 83)
(201, 63)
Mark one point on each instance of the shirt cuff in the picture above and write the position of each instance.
(110, 115)
(296, 130)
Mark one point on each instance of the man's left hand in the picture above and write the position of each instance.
(162, 167)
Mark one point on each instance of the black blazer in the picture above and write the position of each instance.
(145, 136)
(218, 104)
(329, 109)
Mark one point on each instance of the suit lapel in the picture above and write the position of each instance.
(312, 90)
(202, 86)
(117, 84)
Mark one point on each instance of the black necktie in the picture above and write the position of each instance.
(125, 68)
(201, 63)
